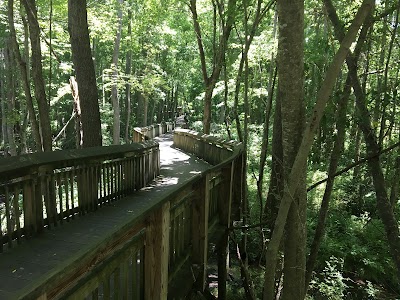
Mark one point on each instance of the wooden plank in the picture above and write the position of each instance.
(106, 288)
(71, 182)
(200, 214)
(65, 178)
(135, 277)
(102, 272)
(59, 184)
(226, 195)
(117, 283)
(29, 216)
(156, 255)
(124, 267)
(17, 212)
(8, 217)
(42, 297)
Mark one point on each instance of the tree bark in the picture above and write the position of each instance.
(209, 81)
(336, 153)
(304, 149)
(275, 191)
(37, 73)
(128, 94)
(85, 73)
(11, 113)
(249, 36)
(290, 64)
(364, 122)
(114, 88)
(24, 70)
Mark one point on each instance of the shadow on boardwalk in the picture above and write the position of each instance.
(39, 259)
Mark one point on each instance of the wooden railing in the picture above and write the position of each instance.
(46, 189)
(141, 134)
(204, 210)
(166, 251)
(158, 253)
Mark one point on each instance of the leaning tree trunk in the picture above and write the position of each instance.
(37, 73)
(10, 123)
(304, 149)
(364, 122)
(336, 153)
(85, 73)
(114, 88)
(128, 93)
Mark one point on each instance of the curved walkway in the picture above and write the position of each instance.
(36, 261)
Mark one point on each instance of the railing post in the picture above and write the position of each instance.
(224, 211)
(201, 205)
(47, 189)
(33, 206)
(237, 190)
(156, 254)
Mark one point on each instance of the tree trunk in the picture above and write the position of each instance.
(209, 81)
(290, 88)
(307, 140)
(128, 94)
(3, 102)
(37, 74)
(85, 73)
(24, 71)
(11, 113)
(114, 88)
(249, 36)
(336, 153)
(275, 191)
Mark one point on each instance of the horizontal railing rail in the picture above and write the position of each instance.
(163, 250)
(212, 149)
(141, 134)
(177, 230)
(46, 189)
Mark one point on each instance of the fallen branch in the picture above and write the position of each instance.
(351, 166)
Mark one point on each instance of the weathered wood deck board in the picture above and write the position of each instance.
(37, 260)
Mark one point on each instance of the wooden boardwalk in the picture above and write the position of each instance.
(37, 261)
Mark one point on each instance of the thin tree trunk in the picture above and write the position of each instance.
(226, 112)
(2, 103)
(37, 73)
(11, 113)
(394, 191)
(24, 70)
(114, 88)
(128, 94)
(275, 191)
(304, 149)
(77, 113)
(209, 81)
(50, 44)
(265, 138)
(336, 153)
(249, 36)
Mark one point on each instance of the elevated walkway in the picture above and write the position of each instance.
(59, 250)
(127, 248)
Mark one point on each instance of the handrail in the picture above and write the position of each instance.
(141, 134)
(168, 235)
(44, 189)
(212, 149)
